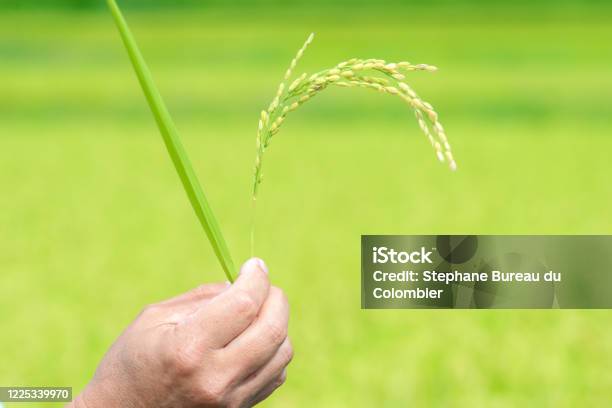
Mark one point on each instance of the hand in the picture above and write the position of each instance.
(217, 345)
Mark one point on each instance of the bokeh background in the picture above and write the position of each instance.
(94, 223)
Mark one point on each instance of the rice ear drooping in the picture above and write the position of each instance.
(374, 74)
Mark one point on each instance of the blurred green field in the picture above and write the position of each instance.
(94, 223)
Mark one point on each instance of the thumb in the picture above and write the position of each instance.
(232, 311)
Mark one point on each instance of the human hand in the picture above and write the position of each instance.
(217, 345)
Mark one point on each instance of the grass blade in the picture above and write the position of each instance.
(173, 144)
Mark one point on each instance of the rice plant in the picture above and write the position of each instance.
(374, 74)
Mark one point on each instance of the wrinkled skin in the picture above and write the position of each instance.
(218, 345)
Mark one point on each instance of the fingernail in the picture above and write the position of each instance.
(262, 265)
(254, 263)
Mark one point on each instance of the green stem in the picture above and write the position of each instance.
(253, 220)
(173, 144)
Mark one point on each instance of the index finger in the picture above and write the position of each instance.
(226, 316)
(197, 294)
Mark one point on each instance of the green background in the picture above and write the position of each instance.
(94, 223)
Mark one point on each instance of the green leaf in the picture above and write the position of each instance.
(173, 144)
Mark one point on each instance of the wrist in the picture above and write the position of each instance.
(97, 395)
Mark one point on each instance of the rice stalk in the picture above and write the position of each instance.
(374, 74)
